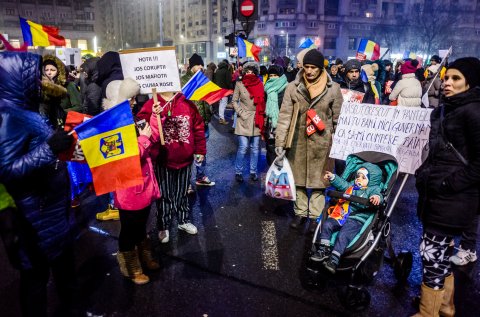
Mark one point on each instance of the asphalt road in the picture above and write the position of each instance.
(244, 261)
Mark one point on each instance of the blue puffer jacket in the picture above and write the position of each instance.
(30, 171)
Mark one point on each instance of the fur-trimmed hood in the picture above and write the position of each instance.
(120, 90)
(61, 77)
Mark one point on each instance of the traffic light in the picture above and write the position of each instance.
(230, 40)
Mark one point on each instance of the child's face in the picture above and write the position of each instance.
(361, 180)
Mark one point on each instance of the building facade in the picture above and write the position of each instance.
(74, 18)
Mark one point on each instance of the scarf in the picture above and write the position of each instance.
(272, 88)
(255, 89)
(318, 86)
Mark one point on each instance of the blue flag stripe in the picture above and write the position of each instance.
(27, 33)
(362, 46)
(111, 119)
(197, 81)
(242, 47)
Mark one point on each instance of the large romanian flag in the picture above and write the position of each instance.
(247, 49)
(199, 87)
(368, 50)
(35, 34)
(109, 143)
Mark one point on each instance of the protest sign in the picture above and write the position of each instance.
(74, 153)
(152, 68)
(352, 95)
(69, 56)
(398, 131)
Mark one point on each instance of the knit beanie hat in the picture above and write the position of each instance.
(435, 58)
(364, 171)
(275, 70)
(120, 90)
(195, 60)
(314, 57)
(352, 64)
(470, 69)
(408, 68)
(301, 54)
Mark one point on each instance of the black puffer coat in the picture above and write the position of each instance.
(449, 190)
(31, 173)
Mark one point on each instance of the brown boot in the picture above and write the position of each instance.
(447, 309)
(430, 302)
(131, 268)
(146, 257)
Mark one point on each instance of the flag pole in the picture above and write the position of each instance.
(159, 121)
(388, 49)
(425, 101)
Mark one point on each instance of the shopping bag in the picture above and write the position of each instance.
(279, 182)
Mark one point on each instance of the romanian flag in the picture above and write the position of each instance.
(199, 87)
(308, 43)
(40, 35)
(247, 49)
(368, 50)
(409, 55)
(109, 143)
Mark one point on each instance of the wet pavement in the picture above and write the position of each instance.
(244, 261)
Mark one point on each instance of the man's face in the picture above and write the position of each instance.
(311, 72)
(353, 74)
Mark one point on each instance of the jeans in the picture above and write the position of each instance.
(221, 108)
(243, 143)
(347, 232)
(202, 167)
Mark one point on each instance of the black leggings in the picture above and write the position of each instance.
(133, 228)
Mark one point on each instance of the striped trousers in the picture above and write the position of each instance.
(174, 186)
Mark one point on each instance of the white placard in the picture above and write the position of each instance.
(152, 68)
(69, 56)
(398, 131)
(442, 53)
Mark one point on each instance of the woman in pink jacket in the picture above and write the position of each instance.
(134, 203)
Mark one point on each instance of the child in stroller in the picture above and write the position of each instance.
(348, 217)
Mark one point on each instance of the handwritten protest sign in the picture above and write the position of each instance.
(352, 95)
(152, 68)
(398, 131)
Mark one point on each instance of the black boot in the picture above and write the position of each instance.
(322, 253)
(332, 263)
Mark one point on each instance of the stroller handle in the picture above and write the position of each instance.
(353, 198)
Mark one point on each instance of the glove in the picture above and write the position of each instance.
(60, 141)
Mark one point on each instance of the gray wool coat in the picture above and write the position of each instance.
(308, 156)
(245, 109)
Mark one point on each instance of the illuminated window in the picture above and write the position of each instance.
(369, 14)
(82, 44)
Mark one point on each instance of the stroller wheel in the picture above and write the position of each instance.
(355, 298)
(403, 266)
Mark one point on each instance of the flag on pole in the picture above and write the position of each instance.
(368, 50)
(35, 34)
(425, 101)
(247, 49)
(199, 87)
(308, 43)
(109, 143)
(409, 55)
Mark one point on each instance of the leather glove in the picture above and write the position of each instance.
(60, 141)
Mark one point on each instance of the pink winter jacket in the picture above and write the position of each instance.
(140, 196)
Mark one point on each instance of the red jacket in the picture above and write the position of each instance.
(183, 131)
(140, 196)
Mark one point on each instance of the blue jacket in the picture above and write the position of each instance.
(34, 177)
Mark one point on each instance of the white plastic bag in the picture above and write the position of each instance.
(279, 182)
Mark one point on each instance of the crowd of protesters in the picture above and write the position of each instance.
(36, 201)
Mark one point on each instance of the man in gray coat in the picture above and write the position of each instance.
(307, 119)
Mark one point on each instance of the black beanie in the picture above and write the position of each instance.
(195, 60)
(352, 64)
(275, 70)
(314, 57)
(436, 58)
(470, 68)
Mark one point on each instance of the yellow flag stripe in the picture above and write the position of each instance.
(204, 90)
(39, 36)
(248, 47)
(93, 150)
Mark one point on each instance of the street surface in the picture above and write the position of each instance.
(245, 260)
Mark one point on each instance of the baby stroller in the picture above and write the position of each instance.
(364, 255)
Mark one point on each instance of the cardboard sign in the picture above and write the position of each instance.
(75, 153)
(69, 56)
(398, 131)
(352, 95)
(152, 68)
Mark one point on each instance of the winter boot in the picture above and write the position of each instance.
(110, 214)
(430, 302)
(447, 309)
(131, 268)
(146, 257)
(322, 253)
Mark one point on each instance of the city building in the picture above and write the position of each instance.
(74, 18)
